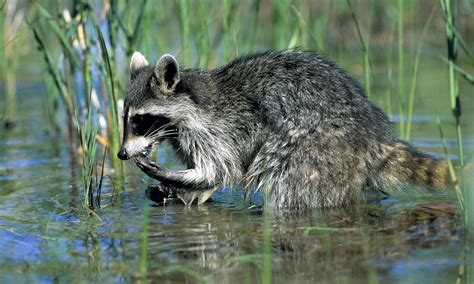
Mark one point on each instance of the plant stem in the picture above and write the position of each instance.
(365, 47)
(450, 18)
(267, 246)
(185, 30)
(411, 100)
(401, 95)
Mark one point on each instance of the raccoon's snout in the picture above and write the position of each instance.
(136, 146)
(123, 154)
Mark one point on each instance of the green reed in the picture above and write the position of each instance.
(253, 39)
(449, 9)
(203, 32)
(389, 70)
(411, 99)
(454, 40)
(3, 56)
(282, 25)
(12, 38)
(451, 167)
(144, 244)
(401, 87)
(111, 112)
(267, 246)
(204, 42)
(125, 29)
(226, 28)
(75, 36)
(365, 48)
(87, 138)
(185, 20)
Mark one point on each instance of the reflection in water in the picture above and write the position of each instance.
(46, 236)
(377, 236)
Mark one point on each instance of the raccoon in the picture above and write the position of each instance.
(290, 124)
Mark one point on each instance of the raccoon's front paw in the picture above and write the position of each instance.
(148, 166)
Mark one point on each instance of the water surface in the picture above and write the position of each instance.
(46, 236)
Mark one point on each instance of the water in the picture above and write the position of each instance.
(46, 236)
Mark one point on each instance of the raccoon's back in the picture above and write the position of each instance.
(298, 89)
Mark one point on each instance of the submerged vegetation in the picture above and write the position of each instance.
(85, 47)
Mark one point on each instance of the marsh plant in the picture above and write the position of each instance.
(86, 46)
(12, 39)
(83, 68)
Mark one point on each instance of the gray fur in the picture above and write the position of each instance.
(290, 124)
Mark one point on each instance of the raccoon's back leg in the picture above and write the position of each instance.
(301, 171)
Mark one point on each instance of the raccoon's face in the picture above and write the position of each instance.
(152, 106)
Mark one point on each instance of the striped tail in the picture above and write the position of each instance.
(403, 164)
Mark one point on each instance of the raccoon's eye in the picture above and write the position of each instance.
(146, 123)
(138, 119)
(140, 124)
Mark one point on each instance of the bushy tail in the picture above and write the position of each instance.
(402, 164)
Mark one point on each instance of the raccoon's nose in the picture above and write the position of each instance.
(122, 154)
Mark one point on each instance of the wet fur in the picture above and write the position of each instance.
(290, 124)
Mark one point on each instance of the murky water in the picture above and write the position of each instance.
(46, 236)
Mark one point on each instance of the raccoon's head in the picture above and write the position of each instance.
(153, 106)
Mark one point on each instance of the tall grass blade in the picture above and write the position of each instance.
(467, 76)
(144, 245)
(401, 86)
(12, 40)
(389, 92)
(253, 38)
(458, 36)
(452, 44)
(411, 100)
(267, 246)
(325, 230)
(185, 30)
(89, 149)
(365, 48)
(135, 35)
(191, 272)
(452, 171)
(204, 45)
(101, 178)
(114, 129)
(226, 22)
(57, 79)
(56, 29)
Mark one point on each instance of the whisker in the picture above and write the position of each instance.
(148, 134)
(154, 130)
(168, 135)
(166, 131)
(150, 128)
(163, 132)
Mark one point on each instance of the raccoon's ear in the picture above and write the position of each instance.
(137, 62)
(167, 72)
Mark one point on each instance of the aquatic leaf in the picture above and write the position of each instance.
(56, 29)
(411, 100)
(469, 77)
(54, 72)
(255, 257)
(322, 230)
(189, 271)
(110, 86)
